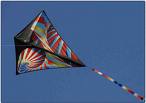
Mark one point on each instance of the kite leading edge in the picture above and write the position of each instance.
(39, 46)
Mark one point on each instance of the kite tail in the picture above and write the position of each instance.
(120, 85)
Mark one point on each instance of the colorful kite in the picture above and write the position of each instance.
(39, 46)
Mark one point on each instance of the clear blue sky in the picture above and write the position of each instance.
(105, 35)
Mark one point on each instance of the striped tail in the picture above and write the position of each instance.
(120, 85)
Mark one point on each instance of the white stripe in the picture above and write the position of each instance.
(135, 94)
(60, 46)
(34, 54)
(111, 79)
(29, 54)
(100, 73)
(25, 54)
(125, 88)
(36, 58)
(54, 41)
(51, 36)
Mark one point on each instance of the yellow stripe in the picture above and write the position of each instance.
(109, 78)
(39, 29)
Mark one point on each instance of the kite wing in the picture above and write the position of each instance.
(39, 46)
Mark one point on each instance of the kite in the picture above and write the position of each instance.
(39, 46)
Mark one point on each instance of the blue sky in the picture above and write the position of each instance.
(105, 35)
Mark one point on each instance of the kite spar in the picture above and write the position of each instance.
(39, 46)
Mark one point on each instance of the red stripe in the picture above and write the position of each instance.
(140, 97)
(36, 56)
(56, 44)
(22, 53)
(130, 91)
(49, 34)
(28, 52)
(73, 56)
(32, 53)
(45, 67)
(63, 50)
(104, 75)
(50, 62)
(42, 20)
(40, 67)
(52, 39)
